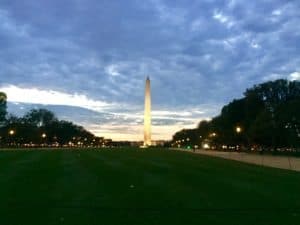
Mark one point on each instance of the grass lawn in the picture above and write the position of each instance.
(139, 187)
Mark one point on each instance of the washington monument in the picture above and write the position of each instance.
(147, 114)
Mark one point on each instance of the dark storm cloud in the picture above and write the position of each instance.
(197, 52)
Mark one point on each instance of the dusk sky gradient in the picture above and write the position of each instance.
(87, 61)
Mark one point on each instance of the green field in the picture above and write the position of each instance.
(137, 187)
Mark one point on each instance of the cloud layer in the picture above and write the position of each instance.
(97, 54)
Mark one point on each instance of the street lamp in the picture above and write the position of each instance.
(238, 129)
(213, 134)
(44, 139)
(11, 133)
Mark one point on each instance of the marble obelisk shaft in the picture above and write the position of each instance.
(147, 114)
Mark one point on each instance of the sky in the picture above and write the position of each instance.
(87, 60)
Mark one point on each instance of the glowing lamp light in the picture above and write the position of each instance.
(44, 135)
(11, 132)
(238, 129)
(206, 146)
(213, 134)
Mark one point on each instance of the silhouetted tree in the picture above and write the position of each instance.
(267, 116)
(40, 117)
(40, 126)
(3, 107)
(274, 94)
(288, 119)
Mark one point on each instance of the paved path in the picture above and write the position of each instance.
(283, 162)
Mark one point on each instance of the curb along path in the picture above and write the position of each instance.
(282, 162)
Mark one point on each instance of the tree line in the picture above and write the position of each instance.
(40, 127)
(266, 118)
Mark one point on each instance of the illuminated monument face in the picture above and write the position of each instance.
(147, 115)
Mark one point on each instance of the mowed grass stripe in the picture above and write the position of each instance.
(135, 167)
(28, 191)
(143, 187)
(140, 171)
(50, 186)
(14, 163)
(32, 175)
